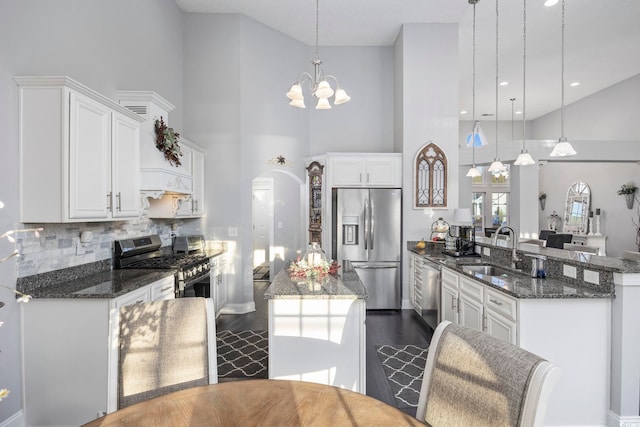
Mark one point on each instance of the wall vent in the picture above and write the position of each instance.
(138, 109)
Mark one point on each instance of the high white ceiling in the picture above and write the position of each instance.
(602, 41)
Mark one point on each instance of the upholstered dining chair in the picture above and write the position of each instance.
(165, 346)
(473, 379)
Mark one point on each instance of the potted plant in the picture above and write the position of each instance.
(628, 190)
(542, 197)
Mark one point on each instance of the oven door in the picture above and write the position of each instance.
(199, 286)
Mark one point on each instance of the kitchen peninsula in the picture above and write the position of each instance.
(575, 318)
(317, 330)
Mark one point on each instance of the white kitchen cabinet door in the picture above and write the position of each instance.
(89, 158)
(500, 327)
(449, 308)
(197, 170)
(383, 172)
(125, 179)
(162, 289)
(471, 312)
(347, 171)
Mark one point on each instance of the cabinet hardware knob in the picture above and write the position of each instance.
(495, 301)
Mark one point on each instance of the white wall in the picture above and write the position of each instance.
(108, 46)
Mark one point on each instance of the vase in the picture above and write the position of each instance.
(543, 202)
(630, 198)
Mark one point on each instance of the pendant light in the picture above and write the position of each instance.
(524, 158)
(473, 171)
(497, 167)
(563, 148)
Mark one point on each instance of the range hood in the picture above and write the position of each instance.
(157, 176)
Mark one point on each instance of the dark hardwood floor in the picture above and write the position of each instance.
(396, 327)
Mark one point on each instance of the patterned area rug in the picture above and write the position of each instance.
(404, 366)
(243, 354)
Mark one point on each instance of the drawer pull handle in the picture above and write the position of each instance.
(495, 301)
(167, 288)
(139, 301)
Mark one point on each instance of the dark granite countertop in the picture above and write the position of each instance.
(516, 284)
(344, 286)
(94, 280)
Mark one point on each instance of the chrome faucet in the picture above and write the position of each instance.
(514, 240)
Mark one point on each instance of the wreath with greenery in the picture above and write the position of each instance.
(167, 142)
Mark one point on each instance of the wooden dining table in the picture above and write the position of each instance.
(260, 403)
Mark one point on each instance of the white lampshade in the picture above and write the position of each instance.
(563, 149)
(524, 159)
(295, 93)
(323, 104)
(473, 172)
(323, 90)
(462, 216)
(496, 167)
(341, 97)
(299, 103)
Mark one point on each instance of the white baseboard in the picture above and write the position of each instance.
(406, 305)
(616, 420)
(15, 420)
(246, 307)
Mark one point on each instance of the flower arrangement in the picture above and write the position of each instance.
(167, 142)
(628, 188)
(299, 269)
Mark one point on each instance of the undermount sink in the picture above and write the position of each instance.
(485, 270)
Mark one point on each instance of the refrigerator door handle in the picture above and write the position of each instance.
(366, 224)
(372, 224)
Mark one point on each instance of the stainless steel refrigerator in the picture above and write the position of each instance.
(367, 238)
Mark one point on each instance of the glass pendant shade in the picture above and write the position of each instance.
(477, 136)
(323, 104)
(524, 159)
(341, 97)
(496, 167)
(473, 172)
(297, 103)
(295, 93)
(323, 90)
(562, 149)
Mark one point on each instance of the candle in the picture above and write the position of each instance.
(597, 211)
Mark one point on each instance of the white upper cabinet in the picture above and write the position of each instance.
(365, 170)
(79, 154)
(197, 172)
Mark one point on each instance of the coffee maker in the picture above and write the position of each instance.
(460, 241)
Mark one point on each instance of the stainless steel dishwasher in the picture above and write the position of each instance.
(427, 290)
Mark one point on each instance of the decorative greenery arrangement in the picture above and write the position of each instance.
(542, 196)
(167, 142)
(299, 269)
(628, 188)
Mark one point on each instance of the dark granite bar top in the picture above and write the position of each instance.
(344, 286)
(94, 280)
(516, 284)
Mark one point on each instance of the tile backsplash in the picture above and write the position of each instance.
(59, 245)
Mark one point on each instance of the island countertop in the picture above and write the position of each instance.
(344, 286)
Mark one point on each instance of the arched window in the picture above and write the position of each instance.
(431, 177)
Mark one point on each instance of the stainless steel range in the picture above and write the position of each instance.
(187, 256)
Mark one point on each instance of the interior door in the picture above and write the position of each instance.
(262, 221)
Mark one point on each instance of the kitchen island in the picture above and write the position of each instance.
(317, 330)
(564, 318)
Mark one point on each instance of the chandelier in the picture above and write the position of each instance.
(320, 88)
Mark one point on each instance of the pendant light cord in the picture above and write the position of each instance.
(562, 77)
(317, 25)
(512, 99)
(497, 82)
(524, 74)
(473, 106)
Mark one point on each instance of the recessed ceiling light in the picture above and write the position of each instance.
(504, 83)
(550, 3)
(463, 112)
(518, 112)
(574, 84)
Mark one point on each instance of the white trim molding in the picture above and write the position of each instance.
(616, 420)
(15, 420)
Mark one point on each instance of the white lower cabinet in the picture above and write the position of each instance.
(69, 377)
(449, 296)
(219, 282)
(572, 333)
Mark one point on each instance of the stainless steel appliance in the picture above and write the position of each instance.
(427, 290)
(366, 237)
(186, 256)
(460, 241)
